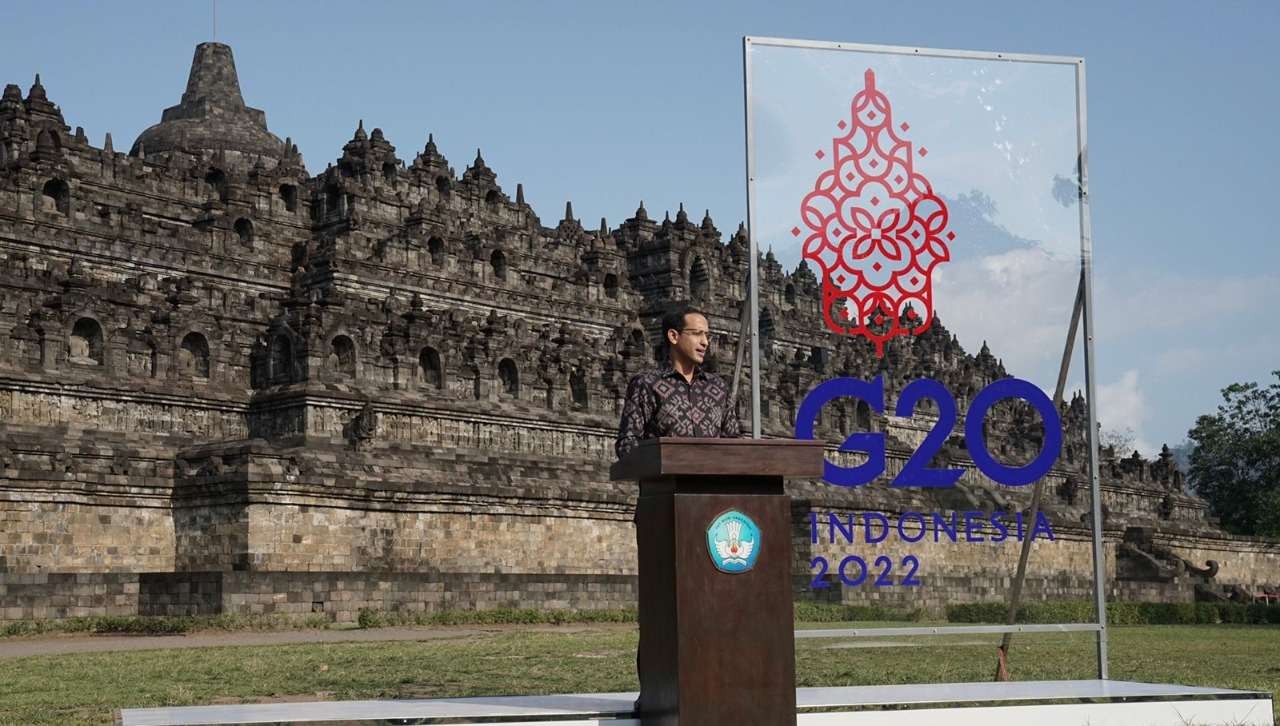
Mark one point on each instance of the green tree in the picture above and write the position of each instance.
(1235, 464)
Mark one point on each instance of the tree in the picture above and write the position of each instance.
(1182, 455)
(1235, 464)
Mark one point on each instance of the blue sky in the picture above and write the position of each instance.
(610, 103)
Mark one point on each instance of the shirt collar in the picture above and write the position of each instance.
(667, 370)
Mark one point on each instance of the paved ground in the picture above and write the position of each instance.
(60, 644)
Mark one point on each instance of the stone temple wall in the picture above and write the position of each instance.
(229, 385)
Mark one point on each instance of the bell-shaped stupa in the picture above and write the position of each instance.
(212, 116)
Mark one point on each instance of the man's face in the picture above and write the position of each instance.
(690, 343)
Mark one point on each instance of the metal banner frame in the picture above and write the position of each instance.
(1086, 270)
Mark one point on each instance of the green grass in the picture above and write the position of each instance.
(368, 618)
(1120, 613)
(86, 688)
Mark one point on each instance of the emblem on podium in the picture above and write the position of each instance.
(733, 541)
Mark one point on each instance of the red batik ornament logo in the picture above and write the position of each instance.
(875, 227)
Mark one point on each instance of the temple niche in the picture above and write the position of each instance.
(280, 363)
(391, 377)
(55, 197)
(85, 344)
(193, 356)
(342, 358)
(431, 369)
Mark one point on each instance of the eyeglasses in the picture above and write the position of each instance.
(706, 335)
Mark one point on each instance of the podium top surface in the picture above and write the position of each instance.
(662, 457)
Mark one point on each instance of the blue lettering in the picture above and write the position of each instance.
(871, 444)
(975, 435)
(1042, 523)
(919, 518)
(883, 521)
(973, 527)
(915, 472)
(862, 571)
(940, 524)
(1002, 531)
(833, 524)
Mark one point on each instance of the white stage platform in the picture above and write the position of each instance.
(1044, 703)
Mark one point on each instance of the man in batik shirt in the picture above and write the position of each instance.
(678, 398)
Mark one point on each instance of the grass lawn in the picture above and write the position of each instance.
(86, 688)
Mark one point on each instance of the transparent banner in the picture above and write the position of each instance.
(922, 213)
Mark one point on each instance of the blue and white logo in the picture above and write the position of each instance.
(733, 541)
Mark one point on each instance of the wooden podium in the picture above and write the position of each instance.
(716, 648)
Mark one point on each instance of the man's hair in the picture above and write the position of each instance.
(674, 320)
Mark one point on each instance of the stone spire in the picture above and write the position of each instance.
(360, 144)
(738, 243)
(37, 93)
(38, 104)
(569, 228)
(212, 115)
(212, 85)
(480, 173)
(431, 161)
(11, 102)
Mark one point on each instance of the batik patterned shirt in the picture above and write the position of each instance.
(661, 402)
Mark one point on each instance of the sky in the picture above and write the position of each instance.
(610, 103)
